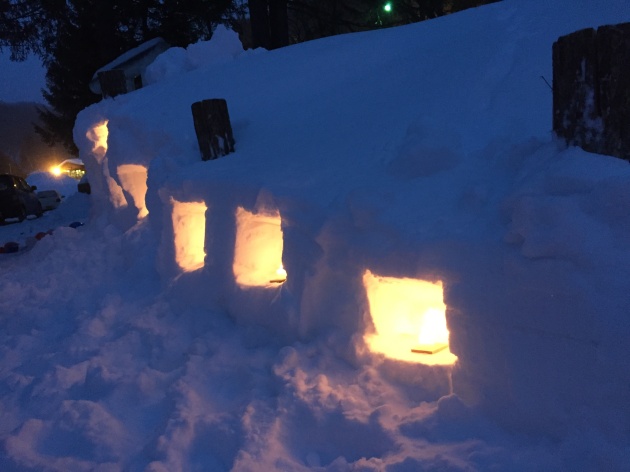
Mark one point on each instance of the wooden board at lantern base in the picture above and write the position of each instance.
(429, 348)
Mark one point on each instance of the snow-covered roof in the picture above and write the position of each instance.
(74, 161)
(132, 61)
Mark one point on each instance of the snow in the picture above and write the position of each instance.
(224, 47)
(132, 53)
(63, 184)
(421, 153)
(133, 62)
(77, 162)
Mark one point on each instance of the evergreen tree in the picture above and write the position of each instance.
(87, 37)
(311, 19)
(269, 22)
(74, 38)
(185, 21)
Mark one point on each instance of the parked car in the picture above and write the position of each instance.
(50, 199)
(17, 198)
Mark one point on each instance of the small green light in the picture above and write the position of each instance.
(388, 7)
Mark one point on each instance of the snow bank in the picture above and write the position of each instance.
(420, 153)
(63, 184)
(408, 164)
(224, 46)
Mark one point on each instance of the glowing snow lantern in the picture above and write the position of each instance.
(189, 228)
(133, 179)
(409, 319)
(258, 249)
(98, 134)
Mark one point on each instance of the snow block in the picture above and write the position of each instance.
(527, 240)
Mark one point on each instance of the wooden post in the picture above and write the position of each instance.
(591, 89)
(113, 82)
(213, 128)
(574, 58)
(613, 87)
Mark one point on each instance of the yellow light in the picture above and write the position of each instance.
(258, 249)
(55, 170)
(409, 319)
(133, 179)
(189, 229)
(281, 275)
(433, 328)
(98, 134)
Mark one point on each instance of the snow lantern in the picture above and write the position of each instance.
(98, 135)
(133, 179)
(189, 229)
(409, 319)
(258, 249)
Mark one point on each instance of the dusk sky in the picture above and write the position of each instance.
(21, 81)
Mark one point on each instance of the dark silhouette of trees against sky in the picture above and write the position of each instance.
(93, 35)
(312, 19)
(269, 23)
(22, 151)
(277, 23)
(74, 38)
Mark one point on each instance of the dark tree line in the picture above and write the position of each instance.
(269, 23)
(277, 23)
(74, 38)
(21, 150)
(312, 19)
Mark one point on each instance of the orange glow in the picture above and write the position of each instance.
(116, 195)
(133, 179)
(98, 135)
(258, 249)
(55, 170)
(189, 228)
(409, 319)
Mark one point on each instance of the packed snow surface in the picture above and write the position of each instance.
(418, 152)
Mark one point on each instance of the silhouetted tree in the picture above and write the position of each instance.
(311, 19)
(269, 22)
(74, 38)
(87, 37)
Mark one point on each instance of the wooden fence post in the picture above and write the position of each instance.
(213, 128)
(591, 89)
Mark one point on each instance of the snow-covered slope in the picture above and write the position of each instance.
(422, 152)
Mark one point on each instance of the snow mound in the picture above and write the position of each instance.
(224, 46)
(63, 184)
(398, 178)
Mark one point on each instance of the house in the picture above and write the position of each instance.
(130, 65)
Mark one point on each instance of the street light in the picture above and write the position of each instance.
(387, 7)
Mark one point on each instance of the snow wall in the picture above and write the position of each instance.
(528, 239)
